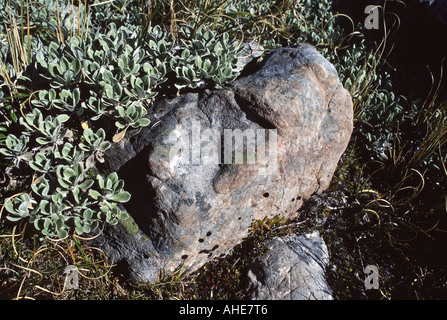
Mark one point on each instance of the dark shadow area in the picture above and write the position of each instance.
(415, 47)
(408, 246)
(141, 205)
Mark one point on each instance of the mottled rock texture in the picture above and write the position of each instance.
(186, 213)
(292, 269)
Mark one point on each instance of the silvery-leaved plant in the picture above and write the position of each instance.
(96, 105)
(111, 189)
(72, 180)
(159, 43)
(205, 59)
(61, 64)
(51, 220)
(52, 131)
(69, 154)
(67, 101)
(31, 121)
(130, 115)
(42, 162)
(87, 222)
(16, 149)
(96, 144)
(18, 207)
(111, 193)
(42, 188)
(66, 200)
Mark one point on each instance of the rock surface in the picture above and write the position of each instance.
(189, 204)
(293, 269)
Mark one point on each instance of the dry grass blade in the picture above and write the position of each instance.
(60, 36)
(433, 120)
(15, 38)
(37, 267)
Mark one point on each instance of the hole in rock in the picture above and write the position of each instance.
(208, 233)
(215, 247)
(266, 195)
(185, 256)
(201, 240)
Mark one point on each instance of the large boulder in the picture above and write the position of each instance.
(294, 268)
(195, 193)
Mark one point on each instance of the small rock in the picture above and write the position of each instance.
(293, 269)
(252, 51)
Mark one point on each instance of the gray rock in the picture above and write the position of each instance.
(252, 51)
(189, 205)
(293, 269)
